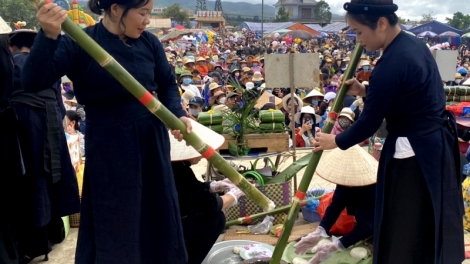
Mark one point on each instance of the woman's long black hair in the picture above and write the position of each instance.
(73, 116)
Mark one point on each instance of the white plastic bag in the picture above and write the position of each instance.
(263, 227)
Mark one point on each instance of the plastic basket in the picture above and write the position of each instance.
(75, 218)
(310, 216)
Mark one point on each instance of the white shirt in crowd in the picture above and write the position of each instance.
(192, 88)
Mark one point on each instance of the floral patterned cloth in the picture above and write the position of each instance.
(466, 202)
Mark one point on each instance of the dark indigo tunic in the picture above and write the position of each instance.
(406, 89)
(130, 210)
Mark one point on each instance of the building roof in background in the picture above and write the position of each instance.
(266, 26)
(316, 27)
(335, 27)
(281, 26)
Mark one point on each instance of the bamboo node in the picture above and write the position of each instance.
(106, 61)
(157, 106)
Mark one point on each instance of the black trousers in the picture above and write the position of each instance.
(200, 234)
(407, 232)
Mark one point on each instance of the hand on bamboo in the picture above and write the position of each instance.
(51, 17)
(324, 142)
(177, 134)
(236, 194)
(221, 186)
(355, 88)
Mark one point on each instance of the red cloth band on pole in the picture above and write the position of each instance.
(146, 98)
(247, 219)
(333, 115)
(208, 153)
(301, 195)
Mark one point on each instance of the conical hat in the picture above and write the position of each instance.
(351, 167)
(179, 150)
(4, 28)
(265, 98)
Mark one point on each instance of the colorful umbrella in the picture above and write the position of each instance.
(449, 34)
(427, 34)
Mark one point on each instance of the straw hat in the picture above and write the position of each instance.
(365, 63)
(179, 151)
(4, 28)
(313, 93)
(220, 108)
(179, 60)
(458, 76)
(246, 69)
(187, 95)
(351, 167)
(188, 60)
(347, 112)
(287, 97)
(307, 110)
(213, 86)
(217, 94)
(346, 59)
(201, 59)
(266, 98)
(257, 77)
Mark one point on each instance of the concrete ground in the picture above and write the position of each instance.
(64, 252)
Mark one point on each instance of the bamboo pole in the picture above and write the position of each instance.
(158, 109)
(312, 165)
(249, 218)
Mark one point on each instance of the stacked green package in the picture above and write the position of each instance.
(457, 93)
(212, 120)
(272, 121)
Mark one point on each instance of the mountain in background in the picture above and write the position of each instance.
(232, 9)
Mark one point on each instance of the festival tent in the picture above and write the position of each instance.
(267, 27)
(434, 26)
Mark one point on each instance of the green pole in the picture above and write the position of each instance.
(312, 165)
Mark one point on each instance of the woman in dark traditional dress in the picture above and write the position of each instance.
(10, 156)
(49, 187)
(419, 207)
(130, 208)
(202, 213)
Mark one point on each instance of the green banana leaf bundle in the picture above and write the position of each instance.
(217, 128)
(457, 90)
(210, 118)
(271, 116)
(464, 98)
(452, 98)
(274, 127)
